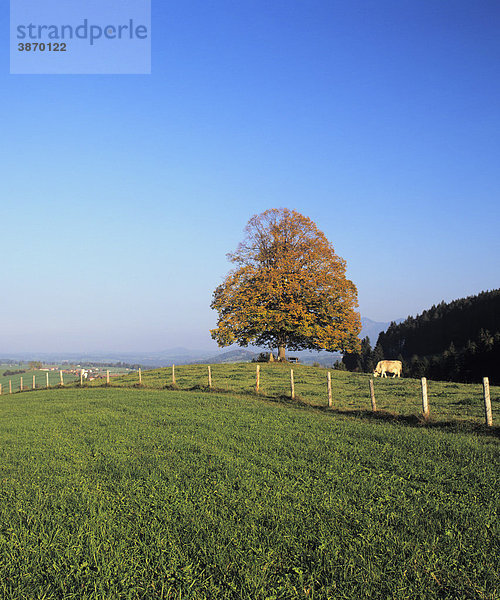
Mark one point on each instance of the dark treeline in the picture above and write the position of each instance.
(364, 362)
(456, 341)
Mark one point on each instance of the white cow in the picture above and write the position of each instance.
(388, 366)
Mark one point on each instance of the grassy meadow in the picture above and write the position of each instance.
(40, 378)
(150, 493)
(350, 391)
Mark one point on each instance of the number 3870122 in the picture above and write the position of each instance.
(42, 47)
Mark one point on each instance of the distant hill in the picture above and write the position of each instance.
(232, 356)
(372, 329)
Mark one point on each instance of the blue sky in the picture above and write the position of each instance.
(121, 194)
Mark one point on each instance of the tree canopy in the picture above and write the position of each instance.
(288, 290)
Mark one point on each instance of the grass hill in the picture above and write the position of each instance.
(156, 493)
(449, 402)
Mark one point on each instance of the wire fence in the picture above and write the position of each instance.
(334, 390)
(30, 380)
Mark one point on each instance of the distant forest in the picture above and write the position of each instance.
(455, 341)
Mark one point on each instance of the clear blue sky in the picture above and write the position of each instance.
(120, 195)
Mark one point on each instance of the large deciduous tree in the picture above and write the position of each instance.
(288, 290)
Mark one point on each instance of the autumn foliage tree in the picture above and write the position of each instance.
(288, 290)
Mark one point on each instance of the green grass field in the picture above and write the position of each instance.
(140, 493)
(448, 401)
(41, 377)
(27, 377)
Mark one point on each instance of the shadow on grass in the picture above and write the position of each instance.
(301, 403)
(389, 417)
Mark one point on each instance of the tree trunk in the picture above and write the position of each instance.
(281, 353)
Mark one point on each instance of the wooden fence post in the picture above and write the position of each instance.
(61, 377)
(0, 389)
(292, 385)
(173, 374)
(107, 377)
(372, 396)
(47, 378)
(81, 378)
(10, 386)
(329, 387)
(425, 402)
(21, 385)
(209, 377)
(140, 376)
(257, 379)
(487, 402)
(34, 383)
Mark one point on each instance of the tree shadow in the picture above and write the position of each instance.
(415, 421)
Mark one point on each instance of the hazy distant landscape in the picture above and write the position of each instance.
(183, 356)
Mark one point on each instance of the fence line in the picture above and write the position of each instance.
(425, 401)
(24, 386)
(372, 396)
(424, 393)
(328, 395)
(487, 402)
(329, 388)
